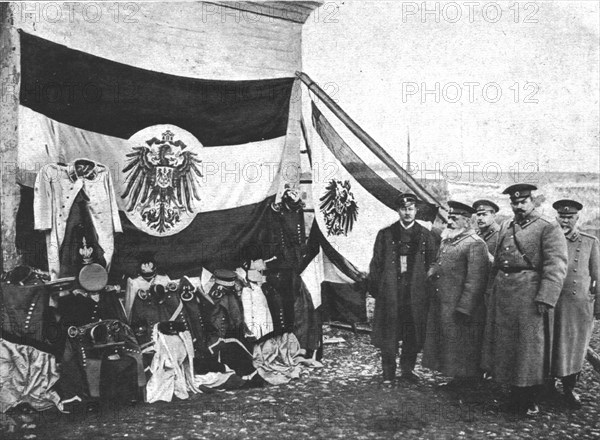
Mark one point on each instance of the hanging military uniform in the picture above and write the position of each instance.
(257, 315)
(224, 323)
(282, 315)
(72, 201)
(286, 233)
(222, 308)
(195, 306)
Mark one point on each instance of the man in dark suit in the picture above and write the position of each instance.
(402, 255)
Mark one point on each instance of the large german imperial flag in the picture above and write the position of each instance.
(76, 105)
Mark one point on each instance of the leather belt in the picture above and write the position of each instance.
(516, 269)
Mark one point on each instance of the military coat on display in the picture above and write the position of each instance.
(102, 357)
(156, 306)
(56, 188)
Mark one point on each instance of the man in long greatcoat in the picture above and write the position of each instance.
(579, 301)
(456, 312)
(488, 230)
(402, 254)
(530, 265)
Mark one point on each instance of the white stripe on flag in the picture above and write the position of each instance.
(313, 275)
(331, 273)
(233, 176)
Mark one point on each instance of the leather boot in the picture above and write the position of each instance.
(571, 398)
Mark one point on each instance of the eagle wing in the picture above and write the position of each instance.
(328, 200)
(184, 180)
(339, 207)
(140, 179)
(350, 213)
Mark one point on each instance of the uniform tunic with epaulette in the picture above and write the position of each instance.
(574, 315)
(517, 340)
(490, 236)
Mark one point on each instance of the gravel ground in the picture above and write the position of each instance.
(595, 341)
(345, 399)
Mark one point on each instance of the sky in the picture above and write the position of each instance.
(509, 83)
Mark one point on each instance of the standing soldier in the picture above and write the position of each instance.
(488, 229)
(575, 310)
(402, 254)
(456, 312)
(530, 265)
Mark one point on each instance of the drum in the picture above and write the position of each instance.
(93, 277)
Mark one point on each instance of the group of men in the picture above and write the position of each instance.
(514, 302)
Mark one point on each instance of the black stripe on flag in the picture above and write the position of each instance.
(116, 99)
(212, 240)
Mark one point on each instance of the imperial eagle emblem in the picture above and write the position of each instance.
(338, 207)
(162, 183)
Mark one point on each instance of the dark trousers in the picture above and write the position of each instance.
(569, 381)
(406, 333)
(408, 354)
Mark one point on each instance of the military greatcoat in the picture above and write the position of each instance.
(384, 286)
(491, 237)
(518, 339)
(459, 277)
(574, 315)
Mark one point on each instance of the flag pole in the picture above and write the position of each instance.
(407, 147)
(366, 139)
